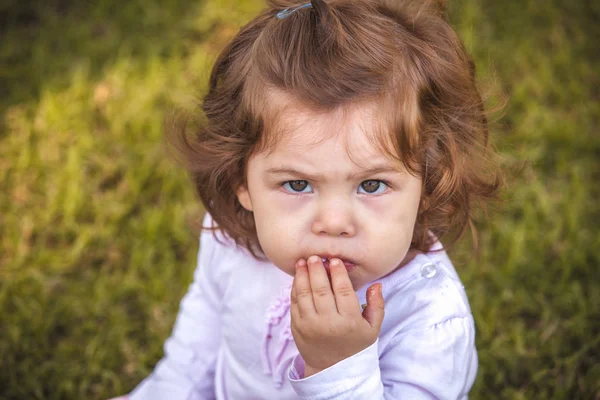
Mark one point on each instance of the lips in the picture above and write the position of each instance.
(347, 263)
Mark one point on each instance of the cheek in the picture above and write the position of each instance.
(395, 222)
(397, 211)
(283, 215)
(275, 231)
(286, 205)
(279, 247)
(409, 203)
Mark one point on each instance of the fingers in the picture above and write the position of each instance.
(324, 302)
(301, 298)
(294, 310)
(313, 293)
(345, 297)
(375, 310)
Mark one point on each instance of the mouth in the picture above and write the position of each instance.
(350, 265)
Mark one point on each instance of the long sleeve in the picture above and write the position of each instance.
(187, 370)
(438, 362)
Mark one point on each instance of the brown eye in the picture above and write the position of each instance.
(371, 186)
(296, 186)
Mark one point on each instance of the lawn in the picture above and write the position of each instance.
(95, 245)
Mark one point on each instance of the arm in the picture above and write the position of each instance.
(187, 370)
(439, 362)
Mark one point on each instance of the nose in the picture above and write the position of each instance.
(334, 218)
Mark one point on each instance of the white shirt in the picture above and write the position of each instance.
(232, 338)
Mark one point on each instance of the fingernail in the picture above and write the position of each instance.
(313, 260)
(371, 294)
(375, 291)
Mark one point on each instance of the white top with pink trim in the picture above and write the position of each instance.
(232, 337)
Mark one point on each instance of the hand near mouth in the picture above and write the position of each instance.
(326, 320)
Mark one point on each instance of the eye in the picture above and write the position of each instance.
(297, 186)
(373, 186)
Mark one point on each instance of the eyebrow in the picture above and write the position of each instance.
(316, 177)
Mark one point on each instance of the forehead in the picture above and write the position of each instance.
(355, 129)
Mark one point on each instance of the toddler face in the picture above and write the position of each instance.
(325, 189)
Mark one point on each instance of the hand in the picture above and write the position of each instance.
(326, 320)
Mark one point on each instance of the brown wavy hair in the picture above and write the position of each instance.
(402, 55)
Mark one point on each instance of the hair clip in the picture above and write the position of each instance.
(289, 11)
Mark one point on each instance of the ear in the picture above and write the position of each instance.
(243, 196)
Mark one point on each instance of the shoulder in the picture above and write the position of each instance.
(428, 334)
(217, 249)
(425, 293)
(214, 240)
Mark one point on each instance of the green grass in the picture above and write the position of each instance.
(94, 250)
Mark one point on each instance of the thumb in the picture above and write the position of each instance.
(374, 310)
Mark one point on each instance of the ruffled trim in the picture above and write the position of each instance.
(278, 347)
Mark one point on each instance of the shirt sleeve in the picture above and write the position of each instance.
(187, 370)
(439, 362)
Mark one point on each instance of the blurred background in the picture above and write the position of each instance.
(95, 248)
